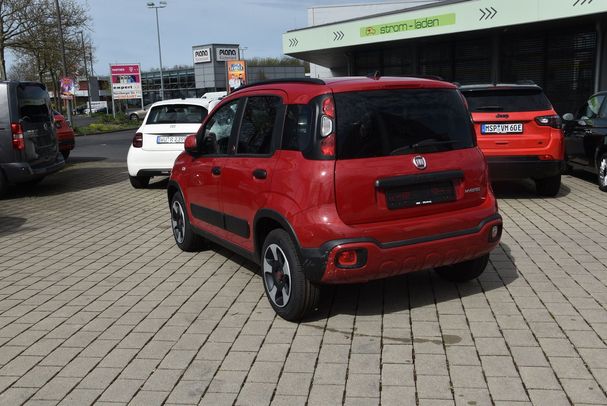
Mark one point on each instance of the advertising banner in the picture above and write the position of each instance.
(202, 55)
(68, 88)
(237, 74)
(126, 81)
(226, 54)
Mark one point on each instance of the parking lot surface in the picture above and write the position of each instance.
(98, 305)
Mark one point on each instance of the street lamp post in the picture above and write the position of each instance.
(161, 4)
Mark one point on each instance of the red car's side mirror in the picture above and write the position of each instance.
(190, 144)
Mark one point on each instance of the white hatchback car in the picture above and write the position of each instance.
(160, 138)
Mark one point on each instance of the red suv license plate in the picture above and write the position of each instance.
(511, 128)
(420, 195)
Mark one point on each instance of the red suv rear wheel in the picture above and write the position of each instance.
(290, 293)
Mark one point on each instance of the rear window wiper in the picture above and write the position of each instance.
(432, 143)
(415, 147)
(488, 108)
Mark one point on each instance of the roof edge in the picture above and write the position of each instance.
(387, 13)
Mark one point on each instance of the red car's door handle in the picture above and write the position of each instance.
(216, 170)
(260, 174)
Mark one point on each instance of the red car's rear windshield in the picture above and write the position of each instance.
(393, 122)
(511, 100)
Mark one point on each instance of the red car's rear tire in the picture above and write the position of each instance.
(290, 293)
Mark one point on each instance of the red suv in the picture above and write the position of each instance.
(519, 132)
(337, 181)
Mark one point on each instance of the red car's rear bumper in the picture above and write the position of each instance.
(382, 260)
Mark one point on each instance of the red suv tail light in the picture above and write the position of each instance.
(327, 128)
(18, 138)
(138, 140)
(550, 121)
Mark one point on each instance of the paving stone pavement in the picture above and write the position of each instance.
(97, 305)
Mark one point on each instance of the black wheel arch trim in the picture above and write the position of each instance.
(279, 218)
(170, 185)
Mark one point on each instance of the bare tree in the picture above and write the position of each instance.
(37, 50)
(15, 20)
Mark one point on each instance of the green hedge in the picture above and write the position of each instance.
(106, 123)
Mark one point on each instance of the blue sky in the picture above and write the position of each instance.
(124, 31)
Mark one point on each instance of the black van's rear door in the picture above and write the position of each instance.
(35, 117)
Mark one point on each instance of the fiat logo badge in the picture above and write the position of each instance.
(419, 162)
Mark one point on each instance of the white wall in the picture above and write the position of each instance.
(330, 14)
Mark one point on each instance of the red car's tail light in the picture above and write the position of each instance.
(327, 146)
(549, 121)
(138, 140)
(18, 138)
(327, 128)
(328, 107)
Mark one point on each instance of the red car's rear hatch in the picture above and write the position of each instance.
(405, 153)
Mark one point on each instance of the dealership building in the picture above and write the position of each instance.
(558, 44)
(210, 67)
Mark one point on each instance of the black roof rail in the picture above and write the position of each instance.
(525, 82)
(312, 81)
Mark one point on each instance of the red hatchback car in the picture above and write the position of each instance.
(337, 181)
(65, 134)
(519, 132)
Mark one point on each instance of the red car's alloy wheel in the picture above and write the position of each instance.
(277, 275)
(178, 221)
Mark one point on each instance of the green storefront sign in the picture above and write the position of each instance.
(438, 19)
(408, 25)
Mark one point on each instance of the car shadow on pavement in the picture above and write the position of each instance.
(402, 294)
(587, 176)
(159, 183)
(10, 225)
(70, 179)
(417, 290)
(82, 159)
(524, 189)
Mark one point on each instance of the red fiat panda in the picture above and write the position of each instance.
(337, 181)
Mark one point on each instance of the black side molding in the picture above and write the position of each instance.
(408, 180)
(232, 224)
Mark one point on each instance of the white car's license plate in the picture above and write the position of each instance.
(511, 128)
(165, 139)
